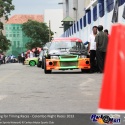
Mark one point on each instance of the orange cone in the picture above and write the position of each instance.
(112, 99)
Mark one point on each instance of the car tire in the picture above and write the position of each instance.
(85, 70)
(42, 63)
(32, 63)
(39, 64)
(46, 71)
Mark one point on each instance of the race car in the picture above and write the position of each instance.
(31, 61)
(66, 54)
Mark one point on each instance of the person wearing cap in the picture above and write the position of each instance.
(101, 40)
(92, 49)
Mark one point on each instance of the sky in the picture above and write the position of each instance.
(34, 6)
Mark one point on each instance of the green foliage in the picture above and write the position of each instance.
(4, 43)
(31, 45)
(38, 32)
(5, 8)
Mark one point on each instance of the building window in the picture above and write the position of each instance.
(18, 35)
(74, 28)
(14, 28)
(89, 16)
(14, 35)
(14, 43)
(120, 2)
(101, 9)
(17, 28)
(11, 43)
(77, 26)
(95, 13)
(84, 22)
(81, 23)
(17, 44)
(110, 5)
(10, 35)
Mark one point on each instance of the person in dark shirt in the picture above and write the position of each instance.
(101, 40)
(36, 52)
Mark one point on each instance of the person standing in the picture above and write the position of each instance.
(31, 54)
(23, 58)
(36, 52)
(92, 49)
(101, 40)
(19, 58)
(4, 61)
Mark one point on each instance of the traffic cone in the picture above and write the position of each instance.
(112, 99)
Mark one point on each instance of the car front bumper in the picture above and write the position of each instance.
(58, 64)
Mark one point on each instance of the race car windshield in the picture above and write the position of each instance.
(67, 45)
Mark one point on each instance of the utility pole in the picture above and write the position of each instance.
(49, 31)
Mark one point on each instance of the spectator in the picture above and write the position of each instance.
(101, 40)
(31, 54)
(4, 57)
(23, 58)
(36, 52)
(11, 58)
(19, 58)
(92, 49)
(106, 31)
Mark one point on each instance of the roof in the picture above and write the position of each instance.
(67, 19)
(72, 39)
(20, 19)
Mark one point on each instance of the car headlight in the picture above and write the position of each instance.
(54, 57)
(82, 56)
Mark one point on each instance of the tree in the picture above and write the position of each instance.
(38, 32)
(5, 8)
(4, 43)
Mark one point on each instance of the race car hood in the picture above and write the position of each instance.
(66, 52)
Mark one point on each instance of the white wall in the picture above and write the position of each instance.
(105, 21)
(80, 5)
(55, 16)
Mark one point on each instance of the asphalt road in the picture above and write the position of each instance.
(25, 89)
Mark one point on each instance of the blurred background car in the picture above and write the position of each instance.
(31, 61)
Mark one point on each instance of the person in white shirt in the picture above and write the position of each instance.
(92, 49)
(31, 55)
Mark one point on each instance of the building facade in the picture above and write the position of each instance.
(54, 17)
(75, 8)
(14, 33)
(98, 12)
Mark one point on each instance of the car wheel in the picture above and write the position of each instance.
(39, 64)
(85, 70)
(32, 63)
(42, 63)
(46, 71)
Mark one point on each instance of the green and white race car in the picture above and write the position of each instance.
(31, 61)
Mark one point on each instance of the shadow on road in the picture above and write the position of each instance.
(68, 73)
